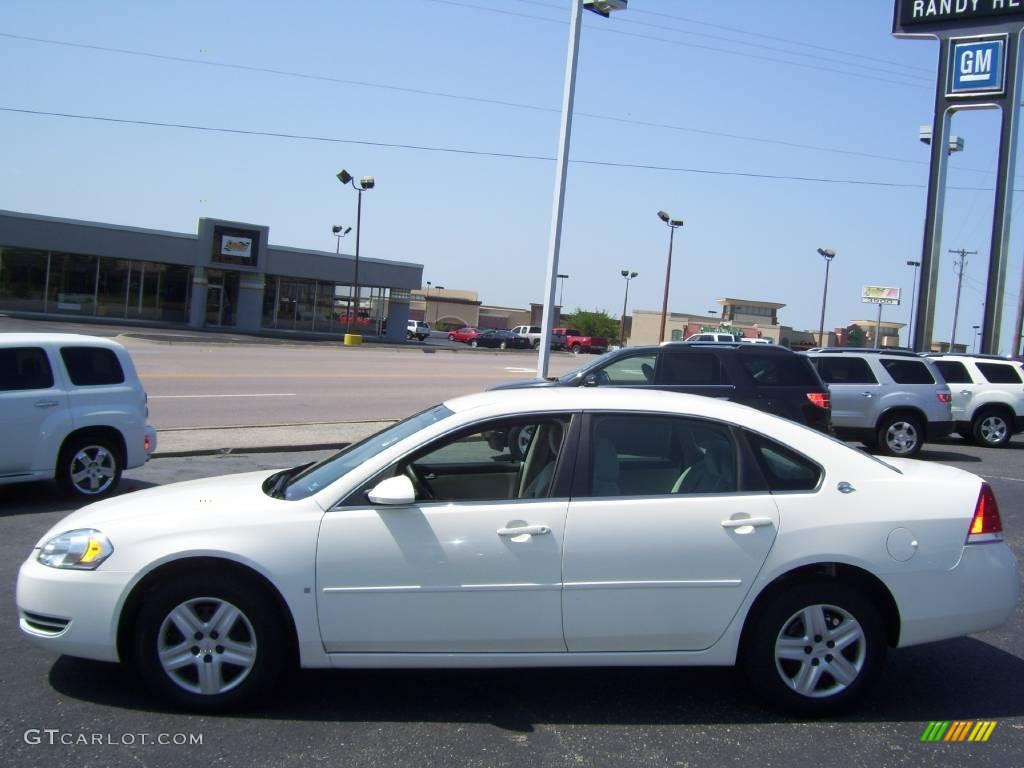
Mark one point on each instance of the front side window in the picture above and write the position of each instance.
(500, 461)
(844, 370)
(908, 371)
(92, 366)
(999, 373)
(24, 368)
(953, 371)
(635, 369)
(641, 455)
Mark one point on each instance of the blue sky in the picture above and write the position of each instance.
(792, 72)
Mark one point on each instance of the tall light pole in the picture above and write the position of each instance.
(627, 275)
(913, 295)
(436, 288)
(339, 232)
(603, 8)
(828, 254)
(673, 225)
(365, 183)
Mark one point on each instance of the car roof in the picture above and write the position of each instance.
(9, 339)
(513, 401)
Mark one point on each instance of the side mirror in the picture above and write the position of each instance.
(590, 380)
(394, 492)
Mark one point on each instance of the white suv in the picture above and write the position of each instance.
(417, 329)
(71, 409)
(988, 396)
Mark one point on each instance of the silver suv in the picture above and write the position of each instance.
(988, 396)
(887, 399)
(71, 408)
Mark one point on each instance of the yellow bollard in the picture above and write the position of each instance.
(353, 339)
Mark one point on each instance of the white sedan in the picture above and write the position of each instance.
(639, 528)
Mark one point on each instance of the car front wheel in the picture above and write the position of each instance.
(576, 349)
(208, 644)
(814, 649)
(900, 436)
(474, 344)
(991, 429)
(503, 345)
(89, 468)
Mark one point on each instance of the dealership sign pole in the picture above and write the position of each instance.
(880, 295)
(979, 68)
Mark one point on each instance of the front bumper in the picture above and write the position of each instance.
(978, 593)
(71, 612)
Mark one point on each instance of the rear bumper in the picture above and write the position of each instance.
(978, 593)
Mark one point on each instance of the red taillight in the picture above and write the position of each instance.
(820, 399)
(145, 443)
(944, 397)
(986, 524)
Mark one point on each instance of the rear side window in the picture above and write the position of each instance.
(636, 369)
(779, 370)
(24, 368)
(689, 370)
(908, 371)
(954, 372)
(999, 373)
(784, 469)
(845, 370)
(92, 366)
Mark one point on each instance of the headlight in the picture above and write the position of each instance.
(83, 549)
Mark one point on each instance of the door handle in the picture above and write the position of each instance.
(743, 522)
(868, 395)
(525, 530)
(965, 392)
(45, 403)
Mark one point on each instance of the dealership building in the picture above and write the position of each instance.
(226, 276)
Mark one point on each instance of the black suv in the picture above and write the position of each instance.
(769, 378)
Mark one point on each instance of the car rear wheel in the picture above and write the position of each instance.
(474, 344)
(576, 349)
(813, 649)
(991, 429)
(900, 435)
(503, 345)
(208, 644)
(89, 468)
(536, 344)
(451, 337)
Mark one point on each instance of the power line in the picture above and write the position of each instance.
(758, 34)
(477, 99)
(461, 151)
(604, 28)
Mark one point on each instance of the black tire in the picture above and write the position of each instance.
(576, 349)
(536, 344)
(474, 344)
(89, 468)
(900, 435)
(778, 622)
(451, 337)
(503, 345)
(259, 625)
(991, 428)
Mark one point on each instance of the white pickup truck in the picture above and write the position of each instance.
(532, 332)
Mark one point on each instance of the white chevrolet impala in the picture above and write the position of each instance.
(637, 528)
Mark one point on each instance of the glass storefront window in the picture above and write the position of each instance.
(112, 294)
(72, 284)
(22, 279)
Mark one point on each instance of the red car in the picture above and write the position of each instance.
(464, 335)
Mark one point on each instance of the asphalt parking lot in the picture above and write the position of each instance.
(63, 711)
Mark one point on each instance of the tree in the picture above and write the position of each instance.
(596, 323)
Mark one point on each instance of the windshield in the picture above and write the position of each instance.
(572, 376)
(322, 474)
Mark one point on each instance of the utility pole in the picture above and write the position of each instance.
(958, 267)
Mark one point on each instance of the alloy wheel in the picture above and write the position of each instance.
(93, 470)
(820, 651)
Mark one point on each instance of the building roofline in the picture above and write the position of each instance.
(96, 224)
(750, 303)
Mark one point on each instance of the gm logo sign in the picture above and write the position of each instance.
(976, 66)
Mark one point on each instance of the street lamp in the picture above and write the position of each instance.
(603, 8)
(673, 225)
(627, 275)
(365, 183)
(828, 254)
(436, 288)
(339, 232)
(913, 295)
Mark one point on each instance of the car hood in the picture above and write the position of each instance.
(177, 504)
(525, 384)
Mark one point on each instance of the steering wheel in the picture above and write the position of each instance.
(422, 489)
(602, 377)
